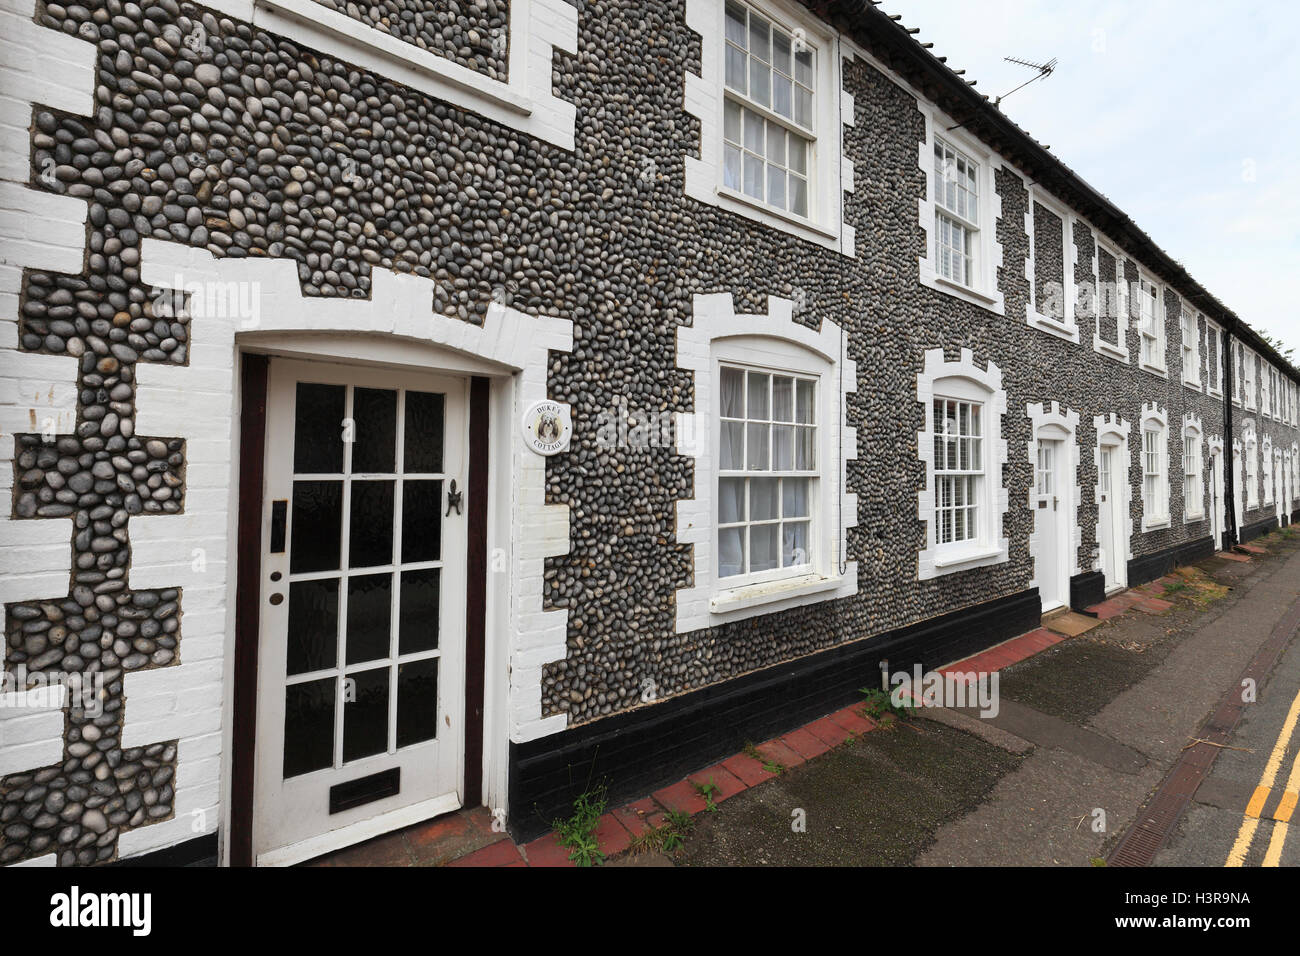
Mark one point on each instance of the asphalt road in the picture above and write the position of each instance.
(1087, 732)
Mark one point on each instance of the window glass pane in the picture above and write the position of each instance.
(756, 449)
(737, 65)
(782, 447)
(760, 83)
(782, 399)
(794, 543)
(775, 144)
(732, 121)
(759, 38)
(732, 453)
(803, 107)
(731, 168)
(755, 132)
(753, 176)
(781, 51)
(763, 499)
(799, 196)
(758, 395)
(782, 96)
(798, 154)
(803, 66)
(736, 31)
(794, 497)
(731, 551)
(804, 450)
(776, 186)
(733, 393)
(731, 500)
(763, 554)
(806, 406)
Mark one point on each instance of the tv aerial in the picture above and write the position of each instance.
(1044, 70)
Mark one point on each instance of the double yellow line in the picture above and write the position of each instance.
(1282, 815)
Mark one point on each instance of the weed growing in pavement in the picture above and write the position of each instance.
(707, 790)
(578, 833)
(753, 753)
(667, 837)
(879, 705)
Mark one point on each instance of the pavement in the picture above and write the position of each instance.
(1094, 714)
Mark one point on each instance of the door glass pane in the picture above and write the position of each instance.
(318, 429)
(308, 726)
(371, 535)
(422, 444)
(317, 526)
(365, 714)
(313, 632)
(370, 609)
(374, 435)
(418, 619)
(421, 520)
(417, 701)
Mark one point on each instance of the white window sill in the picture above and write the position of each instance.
(791, 219)
(1154, 369)
(1160, 524)
(1195, 385)
(769, 592)
(957, 556)
(1045, 323)
(1193, 519)
(932, 280)
(1109, 348)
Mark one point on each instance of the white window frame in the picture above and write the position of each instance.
(1191, 347)
(1137, 294)
(1214, 386)
(1118, 351)
(983, 291)
(1238, 373)
(1250, 453)
(1067, 326)
(745, 356)
(1193, 470)
(963, 380)
(773, 340)
(1250, 371)
(831, 175)
(1155, 515)
(1270, 471)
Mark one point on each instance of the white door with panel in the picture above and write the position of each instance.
(1111, 541)
(1218, 515)
(361, 670)
(1051, 528)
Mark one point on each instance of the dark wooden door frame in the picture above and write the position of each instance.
(248, 581)
(476, 588)
(254, 374)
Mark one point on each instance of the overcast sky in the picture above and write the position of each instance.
(1184, 114)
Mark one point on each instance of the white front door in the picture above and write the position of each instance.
(1238, 491)
(1275, 482)
(1051, 561)
(360, 723)
(1110, 528)
(1217, 516)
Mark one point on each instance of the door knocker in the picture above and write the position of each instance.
(453, 498)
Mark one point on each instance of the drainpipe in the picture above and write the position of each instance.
(1230, 469)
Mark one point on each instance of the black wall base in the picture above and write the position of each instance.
(1148, 567)
(1087, 589)
(201, 851)
(1256, 528)
(639, 751)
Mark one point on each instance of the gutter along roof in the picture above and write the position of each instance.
(889, 41)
